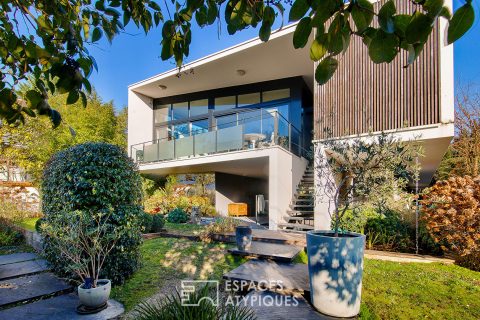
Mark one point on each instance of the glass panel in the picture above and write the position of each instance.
(251, 121)
(181, 130)
(198, 107)
(248, 99)
(268, 125)
(230, 139)
(180, 110)
(165, 150)
(205, 142)
(225, 103)
(283, 139)
(162, 132)
(275, 95)
(184, 147)
(162, 114)
(199, 126)
(150, 153)
(226, 121)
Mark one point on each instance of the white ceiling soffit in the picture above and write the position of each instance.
(275, 59)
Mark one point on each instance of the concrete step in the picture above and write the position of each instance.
(23, 268)
(292, 276)
(296, 226)
(293, 206)
(300, 212)
(32, 287)
(297, 218)
(269, 251)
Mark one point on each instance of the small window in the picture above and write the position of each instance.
(180, 110)
(198, 107)
(275, 95)
(248, 99)
(225, 103)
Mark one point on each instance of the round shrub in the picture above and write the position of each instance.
(157, 222)
(95, 178)
(147, 222)
(451, 210)
(177, 216)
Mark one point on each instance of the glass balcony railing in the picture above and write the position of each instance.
(250, 130)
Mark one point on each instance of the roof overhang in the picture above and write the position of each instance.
(260, 61)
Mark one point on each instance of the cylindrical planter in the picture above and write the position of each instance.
(95, 297)
(335, 267)
(243, 236)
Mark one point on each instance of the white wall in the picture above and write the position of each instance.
(140, 118)
(285, 172)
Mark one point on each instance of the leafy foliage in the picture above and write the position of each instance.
(452, 212)
(95, 178)
(52, 46)
(177, 215)
(199, 307)
(31, 145)
(221, 225)
(84, 239)
(152, 223)
(9, 237)
(363, 170)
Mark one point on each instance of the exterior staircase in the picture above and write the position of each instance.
(300, 215)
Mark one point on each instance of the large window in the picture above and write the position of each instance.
(248, 99)
(180, 111)
(198, 107)
(225, 103)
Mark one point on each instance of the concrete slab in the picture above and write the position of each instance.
(271, 251)
(17, 257)
(60, 308)
(291, 276)
(13, 270)
(271, 305)
(30, 287)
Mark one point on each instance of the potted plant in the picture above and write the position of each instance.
(243, 236)
(349, 172)
(85, 240)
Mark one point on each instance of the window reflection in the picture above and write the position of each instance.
(248, 99)
(225, 103)
(198, 107)
(180, 110)
(275, 95)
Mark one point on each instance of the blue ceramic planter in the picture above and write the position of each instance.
(335, 266)
(243, 235)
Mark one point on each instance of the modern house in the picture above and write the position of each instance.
(252, 114)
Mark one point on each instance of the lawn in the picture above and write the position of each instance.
(28, 224)
(391, 290)
(166, 261)
(187, 229)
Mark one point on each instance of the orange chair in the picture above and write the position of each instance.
(237, 209)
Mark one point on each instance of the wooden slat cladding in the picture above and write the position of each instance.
(365, 97)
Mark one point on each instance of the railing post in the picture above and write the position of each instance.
(275, 127)
(289, 137)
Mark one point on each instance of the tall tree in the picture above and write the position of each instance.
(463, 156)
(48, 39)
(29, 146)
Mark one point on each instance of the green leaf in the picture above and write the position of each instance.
(55, 117)
(201, 16)
(269, 15)
(325, 70)
(413, 52)
(83, 97)
(318, 49)
(362, 14)
(335, 35)
(167, 51)
(298, 10)
(419, 28)
(383, 47)
(33, 98)
(72, 97)
(401, 22)
(461, 22)
(265, 31)
(385, 16)
(97, 34)
(433, 8)
(302, 32)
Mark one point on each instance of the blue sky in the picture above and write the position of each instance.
(134, 56)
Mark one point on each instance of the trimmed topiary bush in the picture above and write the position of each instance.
(95, 178)
(146, 222)
(177, 216)
(157, 222)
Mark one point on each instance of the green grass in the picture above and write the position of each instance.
(169, 260)
(184, 228)
(391, 290)
(28, 224)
